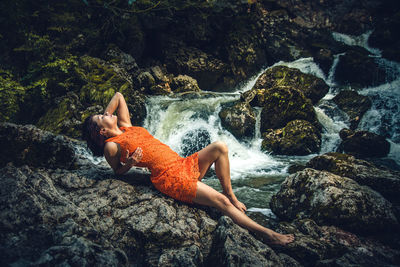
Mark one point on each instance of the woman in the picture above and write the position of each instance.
(180, 178)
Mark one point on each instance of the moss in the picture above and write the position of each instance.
(100, 81)
(11, 93)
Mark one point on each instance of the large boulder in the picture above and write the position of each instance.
(363, 144)
(385, 35)
(316, 245)
(358, 69)
(30, 145)
(330, 199)
(298, 137)
(312, 87)
(354, 104)
(205, 68)
(194, 140)
(239, 119)
(228, 253)
(184, 83)
(284, 104)
(384, 181)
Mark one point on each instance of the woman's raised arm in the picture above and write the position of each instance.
(118, 104)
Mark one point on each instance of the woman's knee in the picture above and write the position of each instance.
(222, 202)
(221, 147)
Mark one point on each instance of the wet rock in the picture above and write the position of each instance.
(312, 87)
(316, 245)
(184, 83)
(146, 80)
(358, 69)
(239, 119)
(354, 104)
(324, 58)
(330, 199)
(298, 137)
(233, 247)
(282, 105)
(363, 144)
(385, 35)
(35, 147)
(194, 141)
(382, 180)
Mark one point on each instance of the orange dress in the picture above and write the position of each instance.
(170, 173)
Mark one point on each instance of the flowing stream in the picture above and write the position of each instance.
(187, 124)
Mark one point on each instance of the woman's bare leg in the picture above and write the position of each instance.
(208, 196)
(217, 153)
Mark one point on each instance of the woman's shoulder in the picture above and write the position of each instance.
(111, 149)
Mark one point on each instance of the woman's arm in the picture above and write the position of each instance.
(118, 104)
(112, 155)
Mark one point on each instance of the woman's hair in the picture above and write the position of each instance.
(91, 133)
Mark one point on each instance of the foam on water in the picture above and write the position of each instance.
(171, 119)
(357, 40)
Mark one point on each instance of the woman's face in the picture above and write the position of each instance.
(106, 121)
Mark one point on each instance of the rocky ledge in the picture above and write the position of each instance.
(52, 214)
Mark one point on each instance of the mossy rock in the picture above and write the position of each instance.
(284, 104)
(65, 118)
(11, 94)
(358, 69)
(184, 83)
(354, 104)
(101, 81)
(239, 119)
(298, 137)
(312, 87)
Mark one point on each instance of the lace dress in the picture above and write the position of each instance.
(170, 173)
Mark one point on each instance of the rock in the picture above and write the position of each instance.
(298, 137)
(116, 56)
(65, 118)
(42, 227)
(35, 147)
(363, 144)
(385, 35)
(206, 69)
(284, 104)
(330, 199)
(184, 83)
(234, 247)
(324, 58)
(316, 245)
(239, 119)
(384, 181)
(354, 104)
(101, 80)
(159, 74)
(194, 141)
(358, 69)
(312, 87)
(146, 80)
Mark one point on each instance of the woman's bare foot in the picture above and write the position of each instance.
(279, 239)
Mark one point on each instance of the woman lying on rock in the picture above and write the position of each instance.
(124, 146)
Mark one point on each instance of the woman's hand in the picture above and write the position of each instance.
(135, 158)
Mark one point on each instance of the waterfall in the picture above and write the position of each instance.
(172, 120)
